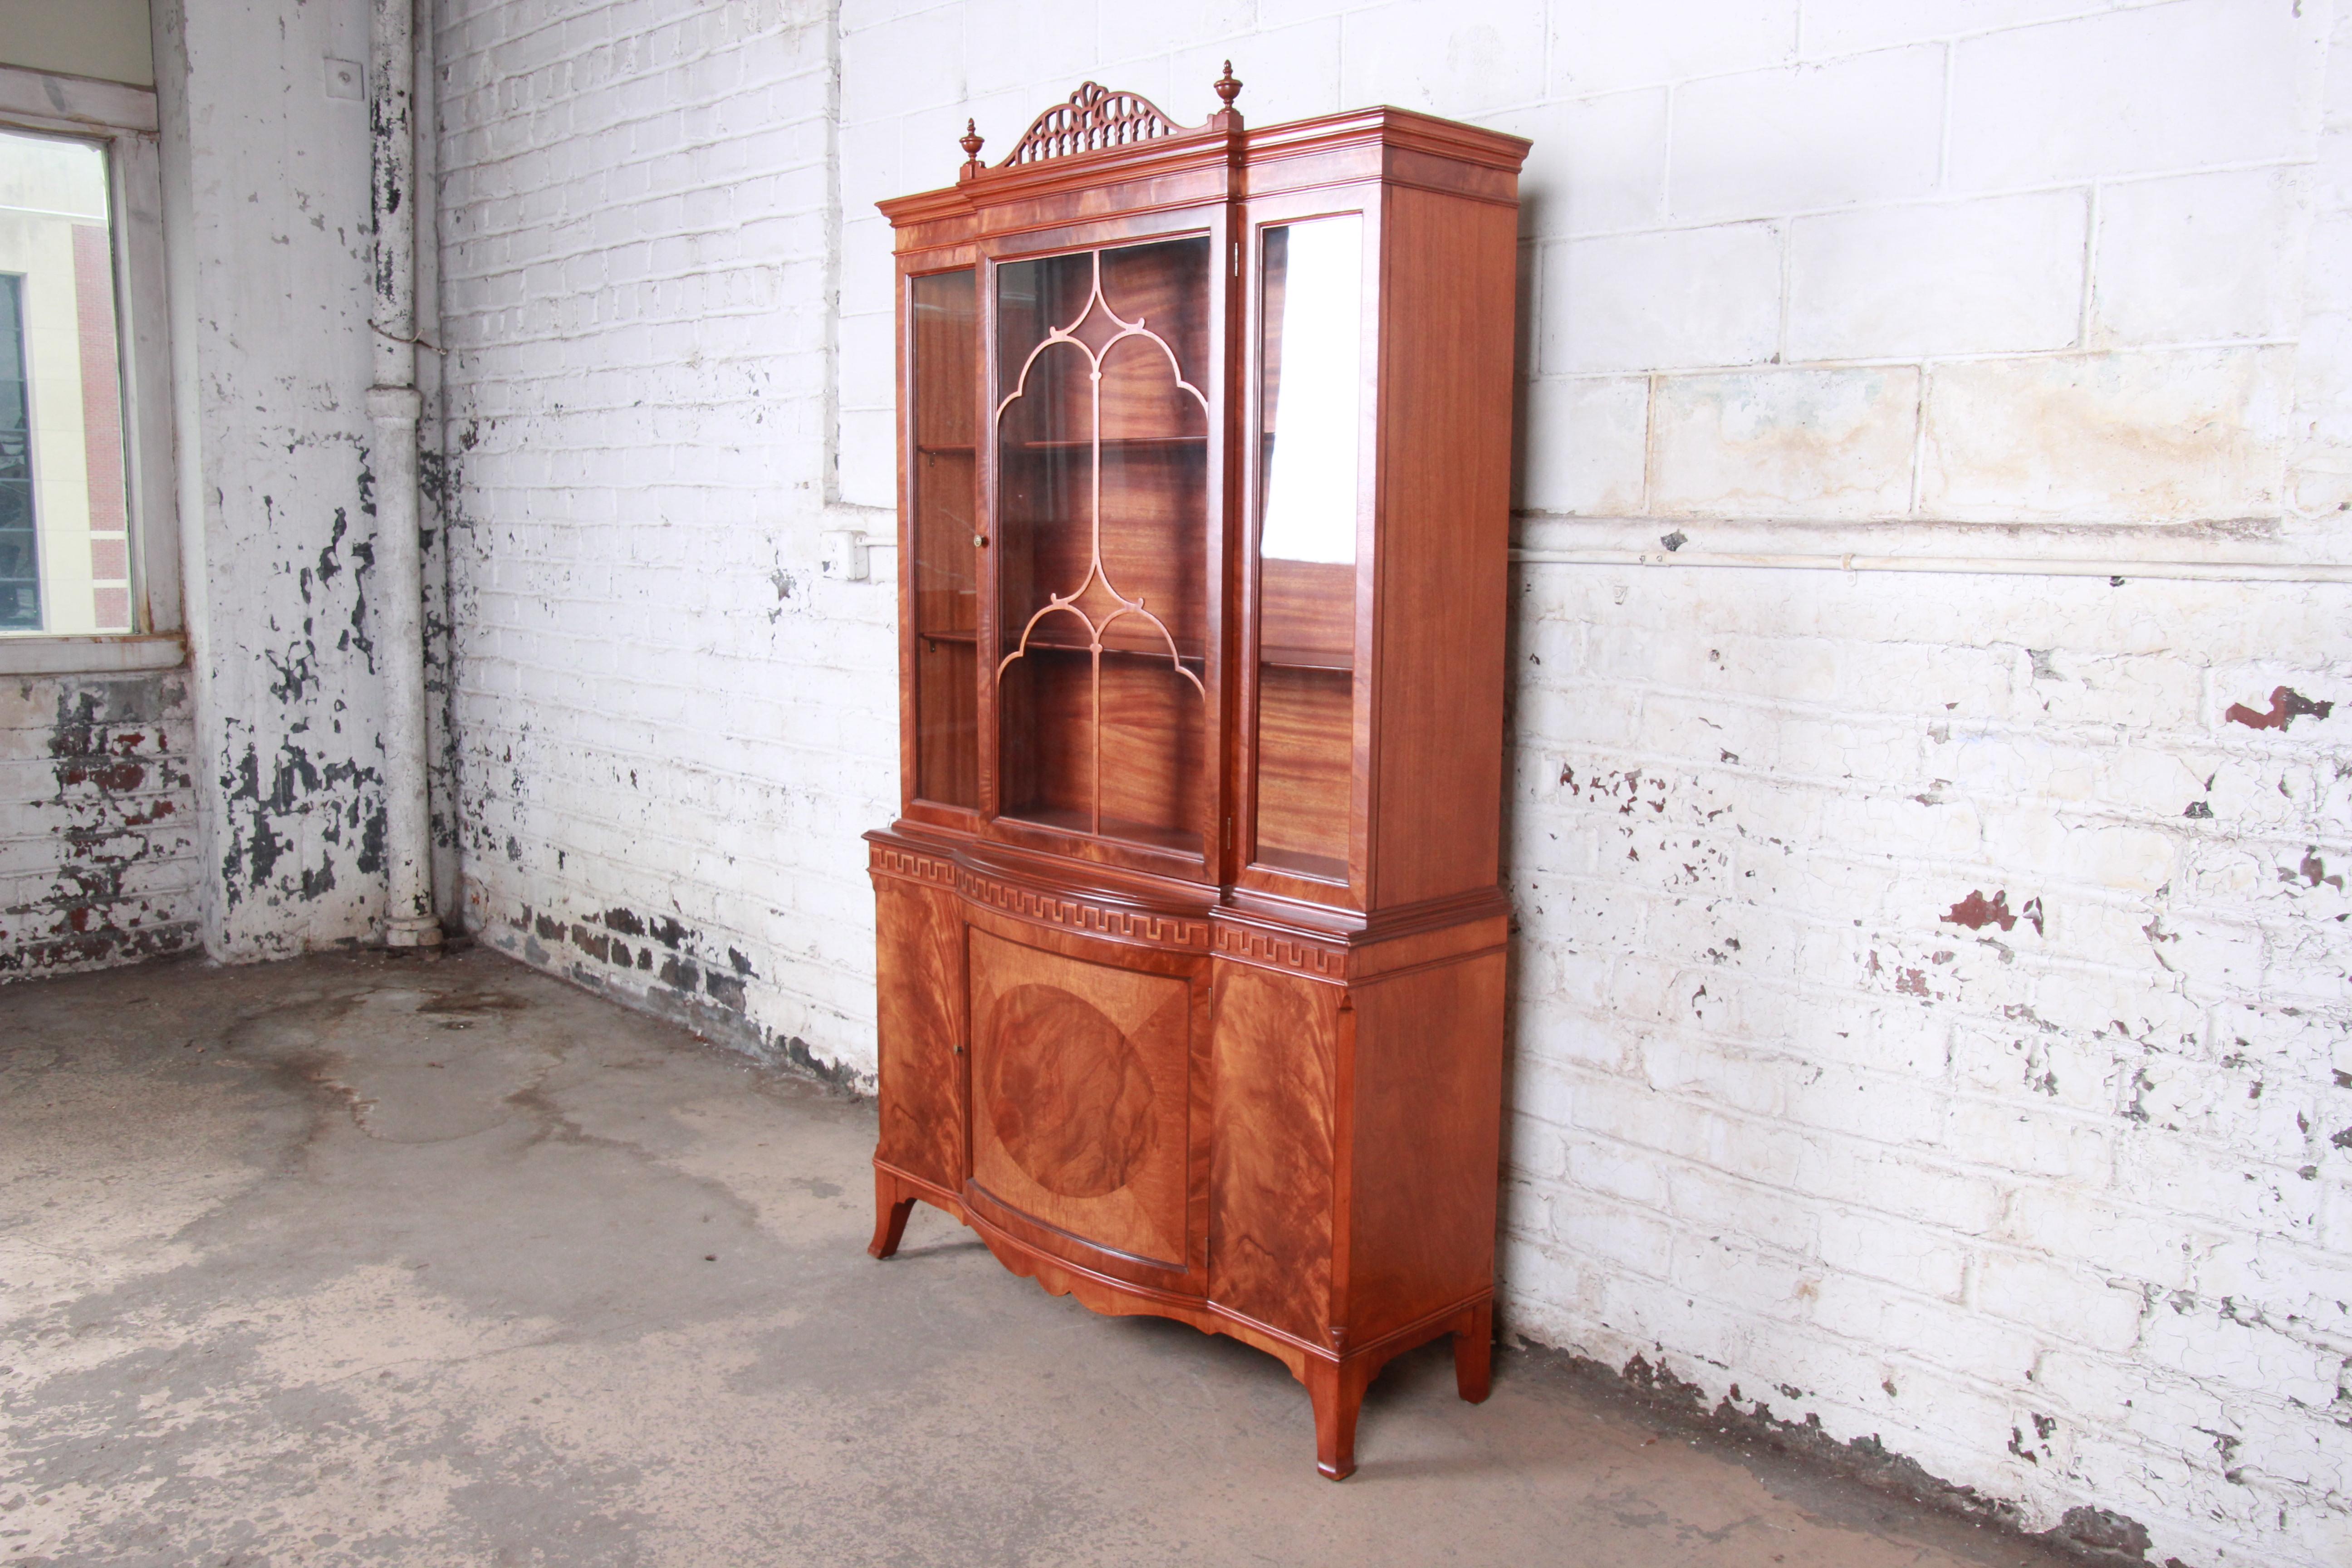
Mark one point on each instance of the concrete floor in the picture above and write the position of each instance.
(357, 1260)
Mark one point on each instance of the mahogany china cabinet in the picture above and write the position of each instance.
(1190, 932)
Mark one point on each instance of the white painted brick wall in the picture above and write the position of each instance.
(671, 727)
(2051, 1202)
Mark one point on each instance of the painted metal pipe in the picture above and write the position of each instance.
(393, 405)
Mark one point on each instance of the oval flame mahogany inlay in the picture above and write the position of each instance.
(1071, 1099)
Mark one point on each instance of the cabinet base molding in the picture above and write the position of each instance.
(1335, 1382)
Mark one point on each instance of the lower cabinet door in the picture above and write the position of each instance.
(919, 968)
(1083, 1079)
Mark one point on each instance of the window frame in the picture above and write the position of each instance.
(125, 119)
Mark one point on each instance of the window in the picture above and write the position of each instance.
(65, 546)
(20, 546)
(89, 553)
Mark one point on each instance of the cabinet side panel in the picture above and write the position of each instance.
(1449, 298)
(1427, 1129)
(918, 977)
(1270, 1181)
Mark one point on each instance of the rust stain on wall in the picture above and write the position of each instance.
(2288, 705)
(1976, 911)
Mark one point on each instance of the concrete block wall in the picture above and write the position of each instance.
(671, 726)
(1930, 1010)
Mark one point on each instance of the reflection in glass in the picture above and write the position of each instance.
(1310, 421)
(1314, 345)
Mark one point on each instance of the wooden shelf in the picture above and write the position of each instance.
(1112, 442)
(1057, 645)
(1322, 867)
(1146, 651)
(1075, 822)
(962, 449)
(1308, 658)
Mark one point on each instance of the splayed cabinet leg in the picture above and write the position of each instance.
(1474, 1353)
(1338, 1389)
(890, 1212)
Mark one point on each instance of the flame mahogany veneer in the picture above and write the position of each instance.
(1191, 941)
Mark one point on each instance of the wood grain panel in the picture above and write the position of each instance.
(1164, 286)
(1155, 502)
(1047, 757)
(1305, 769)
(920, 987)
(1270, 1184)
(1081, 1087)
(1155, 750)
(947, 717)
(1154, 739)
(944, 322)
(1427, 1130)
(1448, 302)
(947, 582)
(1306, 612)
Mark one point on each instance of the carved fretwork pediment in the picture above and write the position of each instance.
(1093, 119)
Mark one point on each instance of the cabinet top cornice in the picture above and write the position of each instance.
(1099, 136)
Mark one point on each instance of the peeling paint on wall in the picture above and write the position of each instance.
(654, 961)
(97, 835)
(281, 553)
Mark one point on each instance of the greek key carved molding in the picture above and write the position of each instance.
(916, 866)
(1254, 946)
(1075, 914)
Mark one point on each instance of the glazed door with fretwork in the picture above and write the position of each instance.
(1102, 414)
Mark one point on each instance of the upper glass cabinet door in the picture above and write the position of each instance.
(1310, 464)
(1101, 423)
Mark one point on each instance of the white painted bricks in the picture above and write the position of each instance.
(673, 724)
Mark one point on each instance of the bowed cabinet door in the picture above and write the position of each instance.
(1087, 1058)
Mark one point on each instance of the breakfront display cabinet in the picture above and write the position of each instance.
(1191, 936)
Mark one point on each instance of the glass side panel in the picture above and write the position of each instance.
(1310, 402)
(942, 469)
(1102, 434)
